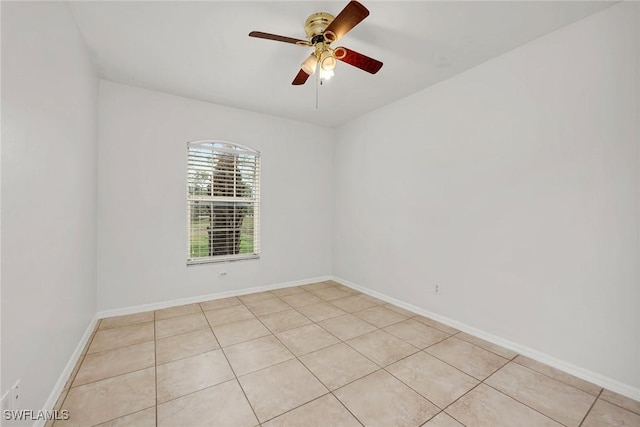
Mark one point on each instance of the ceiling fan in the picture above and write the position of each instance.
(323, 29)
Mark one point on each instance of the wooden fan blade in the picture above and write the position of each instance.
(358, 60)
(261, 35)
(300, 79)
(351, 15)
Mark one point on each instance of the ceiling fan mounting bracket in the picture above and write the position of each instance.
(316, 24)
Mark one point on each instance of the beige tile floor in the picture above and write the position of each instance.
(317, 355)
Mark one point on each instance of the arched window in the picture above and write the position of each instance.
(223, 202)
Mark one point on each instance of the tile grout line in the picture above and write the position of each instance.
(121, 416)
(345, 406)
(497, 370)
(484, 349)
(455, 367)
(280, 312)
(293, 409)
(413, 389)
(119, 375)
(555, 379)
(384, 368)
(590, 408)
(448, 334)
(113, 376)
(126, 324)
(324, 328)
(522, 403)
(493, 388)
(357, 351)
(186, 357)
(193, 392)
(615, 404)
(477, 379)
(295, 358)
(84, 357)
(81, 359)
(191, 355)
(463, 372)
(119, 348)
(509, 360)
(459, 398)
(329, 391)
(235, 377)
(75, 371)
(381, 368)
(489, 350)
(313, 322)
(536, 410)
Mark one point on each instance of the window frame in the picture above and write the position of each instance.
(236, 150)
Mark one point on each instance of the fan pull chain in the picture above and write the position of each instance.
(318, 82)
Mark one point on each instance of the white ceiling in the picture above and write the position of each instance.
(202, 50)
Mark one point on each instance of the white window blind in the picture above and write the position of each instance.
(223, 202)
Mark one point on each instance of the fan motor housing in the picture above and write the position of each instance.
(317, 23)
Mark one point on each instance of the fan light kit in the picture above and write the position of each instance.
(323, 29)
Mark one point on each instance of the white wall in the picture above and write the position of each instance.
(638, 138)
(515, 187)
(49, 100)
(142, 197)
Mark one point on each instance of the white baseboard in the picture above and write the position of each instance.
(577, 371)
(68, 370)
(190, 300)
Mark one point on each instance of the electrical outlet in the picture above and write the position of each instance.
(222, 274)
(436, 289)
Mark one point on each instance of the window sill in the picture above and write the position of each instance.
(222, 258)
